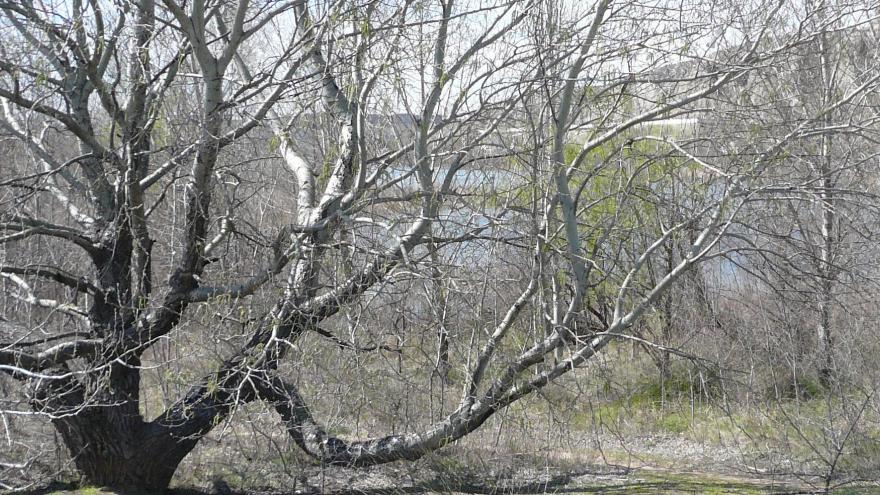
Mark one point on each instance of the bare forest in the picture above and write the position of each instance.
(247, 241)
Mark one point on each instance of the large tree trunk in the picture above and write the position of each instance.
(105, 455)
(100, 424)
(111, 448)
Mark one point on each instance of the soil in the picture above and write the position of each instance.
(653, 464)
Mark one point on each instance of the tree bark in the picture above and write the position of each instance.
(827, 271)
(318, 444)
(99, 421)
(107, 455)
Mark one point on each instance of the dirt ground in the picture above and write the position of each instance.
(651, 464)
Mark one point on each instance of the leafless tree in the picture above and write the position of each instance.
(266, 166)
(809, 243)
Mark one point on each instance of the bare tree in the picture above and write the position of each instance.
(139, 203)
(808, 249)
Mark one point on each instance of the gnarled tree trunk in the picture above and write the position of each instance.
(100, 424)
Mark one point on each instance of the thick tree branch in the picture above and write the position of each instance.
(24, 227)
(80, 284)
